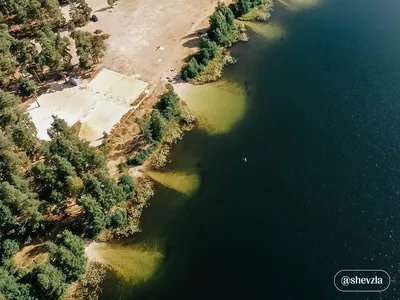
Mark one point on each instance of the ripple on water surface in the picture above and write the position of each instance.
(218, 106)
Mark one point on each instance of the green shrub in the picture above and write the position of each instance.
(142, 155)
(27, 87)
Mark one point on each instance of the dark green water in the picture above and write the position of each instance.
(320, 191)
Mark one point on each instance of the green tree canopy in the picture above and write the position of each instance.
(48, 282)
(158, 125)
(223, 30)
(8, 249)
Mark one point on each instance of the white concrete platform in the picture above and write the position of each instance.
(98, 105)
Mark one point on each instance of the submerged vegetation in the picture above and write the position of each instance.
(207, 64)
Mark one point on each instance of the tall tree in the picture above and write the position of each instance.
(8, 64)
(223, 29)
(55, 49)
(67, 254)
(158, 125)
(80, 12)
(48, 282)
(89, 48)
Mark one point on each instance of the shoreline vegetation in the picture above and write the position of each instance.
(207, 64)
(57, 196)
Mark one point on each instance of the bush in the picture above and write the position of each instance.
(128, 186)
(116, 218)
(141, 156)
(199, 62)
(192, 69)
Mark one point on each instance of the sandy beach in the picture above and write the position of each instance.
(150, 38)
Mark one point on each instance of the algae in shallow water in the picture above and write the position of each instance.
(134, 264)
(183, 182)
(218, 106)
(300, 4)
(269, 31)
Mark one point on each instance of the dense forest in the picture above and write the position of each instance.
(223, 32)
(41, 181)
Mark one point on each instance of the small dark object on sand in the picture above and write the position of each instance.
(94, 18)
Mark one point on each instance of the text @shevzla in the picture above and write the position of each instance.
(362, 280)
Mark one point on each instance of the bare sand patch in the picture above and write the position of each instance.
(139, 28)
(30, 256)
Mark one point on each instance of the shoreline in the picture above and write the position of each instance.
(138, 172)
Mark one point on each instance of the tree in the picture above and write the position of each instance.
(142, 155)
(23, 135)
(89, 48)
(48, 282)
(11, 289)
(27, 87)
(10, 112)
(71, 242)
(67, 254)
(8, 64)
(192, 69)
(25, 53)
(116, 218)
(223, 30)
(98, 47)
(145, 129)
(8, 249)
(210, 47)
(158, 125)
(74, 185)
(104, 190)
(128, 186)
(169, 105)
(25, 210)
(94, 215)
(55, 49)
(66, 143)
(80, 12)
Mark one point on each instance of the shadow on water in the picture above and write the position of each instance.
(315, 195)
(136, 264)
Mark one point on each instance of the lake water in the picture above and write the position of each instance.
(315, 111)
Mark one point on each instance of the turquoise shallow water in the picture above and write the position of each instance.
(320, 190)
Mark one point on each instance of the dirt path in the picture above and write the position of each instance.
(150, 37)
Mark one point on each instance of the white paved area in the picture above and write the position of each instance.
(98, 105)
